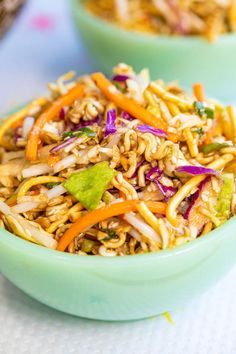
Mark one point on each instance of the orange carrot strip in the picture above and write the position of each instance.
(211, 133)
(53, 159)
(17, 124)
(35, 192)
(209, 137)
(129, 105)
(15, 117)
(125, 103)
(51, 113)
(157, 207)
(95, 216)
(199, 92)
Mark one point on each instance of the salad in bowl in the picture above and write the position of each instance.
(118, 166)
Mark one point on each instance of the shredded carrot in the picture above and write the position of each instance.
(129, 105)
(199, 92)
(51, 113)
(17, 124)
(95, 216)
(209, 137)
(53, 159)
(34, 192)
(18, 116)
(210, 134)
(125, 103)
(157, 207)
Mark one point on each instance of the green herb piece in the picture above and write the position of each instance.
(89, 185)
(52, 184)
(202, 110)
(209, 112)
(86, 131)
(80, 132)
(223, 205)
(69, 134)
(87, 245)
(198, 131)
(206, 149)
(119, 86)
(111, 234)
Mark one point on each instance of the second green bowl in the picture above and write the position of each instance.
(186, 59)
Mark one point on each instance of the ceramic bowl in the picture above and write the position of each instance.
(186, 59)
(118, 288)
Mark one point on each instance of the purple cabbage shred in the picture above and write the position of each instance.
(110, 123)
(120, 78)
(148, 129)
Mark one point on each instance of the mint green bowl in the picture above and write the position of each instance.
(118, 288)
(187, 59)
(122, 288)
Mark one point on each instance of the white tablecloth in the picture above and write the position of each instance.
(41, 46)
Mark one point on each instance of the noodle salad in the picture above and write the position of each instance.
(118, 166)
(169, 17)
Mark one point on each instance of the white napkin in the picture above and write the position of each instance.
(205, 326)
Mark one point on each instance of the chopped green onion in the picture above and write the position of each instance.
(209, 112)
(69, 134)
(198, 131)
(52, 184)
(206, 149)
(111, 234)
(201, 110)
(80, 132)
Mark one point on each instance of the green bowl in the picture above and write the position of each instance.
(186, 59)
(118, 288)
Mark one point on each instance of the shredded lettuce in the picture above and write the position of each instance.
(89, 185)
(223, 205)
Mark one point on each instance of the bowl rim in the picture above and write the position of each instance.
(10, 240)
(81, 13)
(219, 234)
